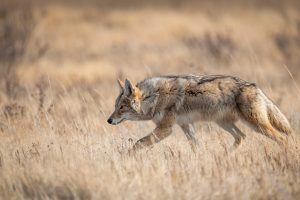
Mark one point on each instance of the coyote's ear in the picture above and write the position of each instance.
(121, 84)
(128, 89)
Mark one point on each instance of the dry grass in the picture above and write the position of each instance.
(54, 140)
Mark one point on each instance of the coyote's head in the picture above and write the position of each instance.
(127, 106)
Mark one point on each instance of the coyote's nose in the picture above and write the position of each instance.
(109, 120)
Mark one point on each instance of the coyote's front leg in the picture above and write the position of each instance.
(162, 130)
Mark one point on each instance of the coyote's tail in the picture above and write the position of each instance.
(276, 118)
(260, 112)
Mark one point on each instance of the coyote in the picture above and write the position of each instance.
(183, 100)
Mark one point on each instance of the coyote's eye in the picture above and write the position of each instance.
(121, 107)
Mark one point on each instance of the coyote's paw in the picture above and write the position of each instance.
(137, 146)
(235, 145)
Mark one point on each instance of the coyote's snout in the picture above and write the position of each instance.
(183, 100)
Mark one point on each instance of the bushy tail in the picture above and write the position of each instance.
(277, 119)
(262, 114)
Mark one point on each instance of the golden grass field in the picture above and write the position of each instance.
(59, 63)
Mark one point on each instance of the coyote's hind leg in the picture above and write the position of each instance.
(234, 131)
(237, 130)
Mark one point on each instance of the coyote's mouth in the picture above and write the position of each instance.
(115, 122)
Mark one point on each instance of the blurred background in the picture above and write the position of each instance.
(98, 41)
(59, 62)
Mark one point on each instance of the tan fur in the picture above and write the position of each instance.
(183, 100)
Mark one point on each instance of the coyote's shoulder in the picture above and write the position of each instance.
(183, 100)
